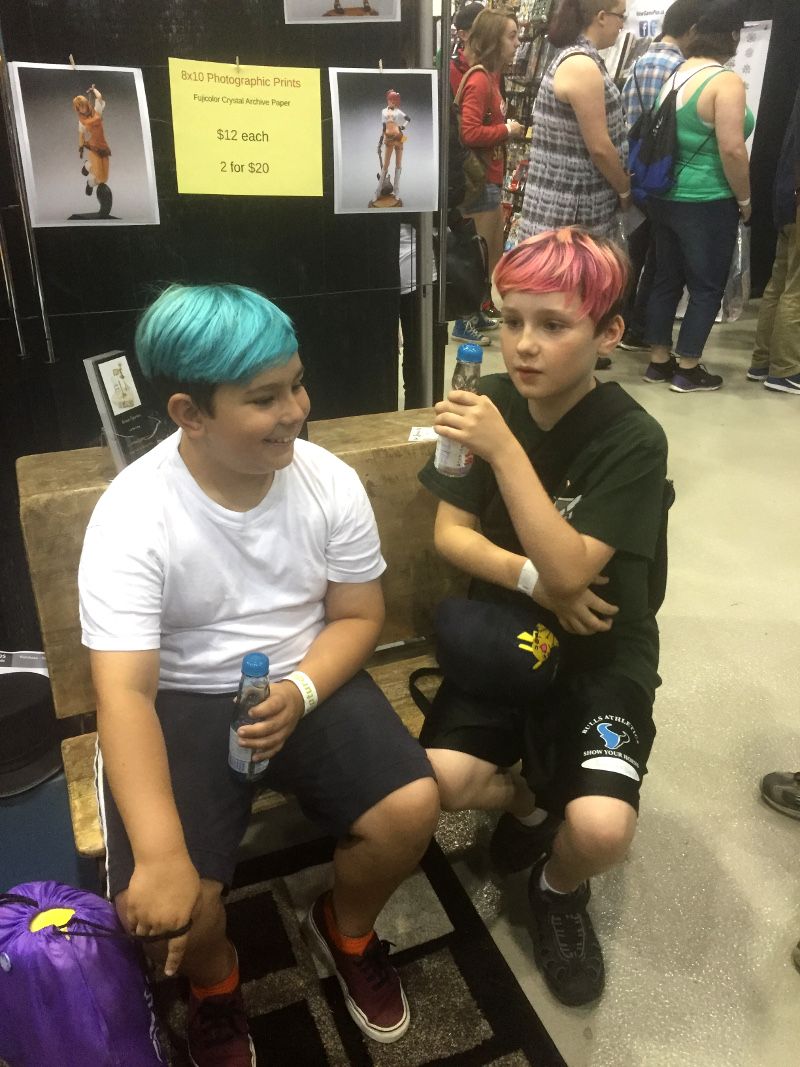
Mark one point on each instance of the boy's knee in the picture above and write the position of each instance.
(208, 922)
(412, 811)
(601, 828)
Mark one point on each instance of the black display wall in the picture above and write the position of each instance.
(336, 276)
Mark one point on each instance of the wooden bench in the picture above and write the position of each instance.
(59, 490)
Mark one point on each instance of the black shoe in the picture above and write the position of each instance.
(602, 363)
(660, 372)
(88, 189)
(696, 380)
(565, 945)
(781, 790)
(515, 846)
(631, 342)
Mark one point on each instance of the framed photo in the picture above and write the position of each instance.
(341, 12)
(84, 137)
(131, 425)
(385, 140)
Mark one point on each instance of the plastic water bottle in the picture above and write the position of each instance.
(452, 458)
(253, 689)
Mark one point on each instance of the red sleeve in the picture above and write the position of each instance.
(478, 99)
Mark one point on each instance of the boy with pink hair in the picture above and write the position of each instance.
(564, 506)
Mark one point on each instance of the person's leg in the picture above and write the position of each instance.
(666, 292)
(646, 279)
(489, 225)
(638, 247)
(760, 360)
(468, 783)
(707, 234)
(785, 351)
(594, 837)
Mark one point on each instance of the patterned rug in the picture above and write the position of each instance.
(467, 1008)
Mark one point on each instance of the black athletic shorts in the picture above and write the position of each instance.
(340, 761)
(589, 735)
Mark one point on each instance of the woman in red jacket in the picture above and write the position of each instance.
(491, 44)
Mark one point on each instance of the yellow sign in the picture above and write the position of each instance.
(246, 131)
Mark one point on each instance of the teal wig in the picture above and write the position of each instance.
(196, 337)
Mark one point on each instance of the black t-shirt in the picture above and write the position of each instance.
(612, 491)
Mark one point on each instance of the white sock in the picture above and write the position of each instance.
(536, 817)
(545, 886)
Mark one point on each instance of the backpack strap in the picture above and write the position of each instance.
(694, 94)
(463, 83)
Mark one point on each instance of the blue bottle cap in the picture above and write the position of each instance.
(469, 353)
(255, 665)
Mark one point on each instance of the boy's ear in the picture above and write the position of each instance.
(185, 413)
(611, 335)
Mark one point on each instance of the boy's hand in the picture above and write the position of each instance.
(583, 614)
(276, 717)
(474, 421)
(164, 895)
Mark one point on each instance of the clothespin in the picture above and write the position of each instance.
(72, 61)
(380, 65)
(237, 62)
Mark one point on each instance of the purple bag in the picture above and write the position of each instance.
(73, 991)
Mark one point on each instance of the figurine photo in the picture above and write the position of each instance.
(341, 12)
(406, 151)
(83, 132)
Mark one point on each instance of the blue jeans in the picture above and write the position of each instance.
(694, 248)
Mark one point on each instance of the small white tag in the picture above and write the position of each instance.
(423, 433)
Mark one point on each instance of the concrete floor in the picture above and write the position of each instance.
(698, 924)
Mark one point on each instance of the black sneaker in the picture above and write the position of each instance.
(781, 790)
(660, 372)
(696, 380)
(631, 342)
(565, 945)
(515, 846)
(216, 1032)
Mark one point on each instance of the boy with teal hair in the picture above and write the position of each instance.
(234, 535)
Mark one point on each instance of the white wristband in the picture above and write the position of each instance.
(307, 689)
(528, 578)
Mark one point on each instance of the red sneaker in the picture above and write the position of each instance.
(216, 1032)
(371, 986)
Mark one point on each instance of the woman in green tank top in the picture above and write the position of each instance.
(696, 221)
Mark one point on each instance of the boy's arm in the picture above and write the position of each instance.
(164, 888)
(566, 560)
(354, 613)
(458, 540)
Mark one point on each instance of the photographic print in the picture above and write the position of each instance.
(341, 12)
(84, 136)
(385, 140)
(131, 425)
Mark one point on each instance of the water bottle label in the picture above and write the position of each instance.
(452, 458)
(239, 757)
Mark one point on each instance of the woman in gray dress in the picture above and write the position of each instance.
(579, 146)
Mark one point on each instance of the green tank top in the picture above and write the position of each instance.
(698, 168)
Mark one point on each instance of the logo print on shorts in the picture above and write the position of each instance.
(611, 739)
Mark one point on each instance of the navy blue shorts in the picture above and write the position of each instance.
(590, 734)
(341, 760)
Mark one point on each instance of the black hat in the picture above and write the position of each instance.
(722, 16)
(29, 748)
(466, 16)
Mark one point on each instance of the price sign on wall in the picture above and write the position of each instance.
(238, 129)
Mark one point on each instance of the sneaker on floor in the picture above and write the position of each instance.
(696, 380)
(781, 790)
(660, 372)
(757, 374)
(488, 308)
(514, 846)
(632, 342)
(216, 1032)
(783, 385)
(371, 986)
(483, 322)
(463, 330)
(565, 945)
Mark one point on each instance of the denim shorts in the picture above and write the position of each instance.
(489, 200)
(341, 760)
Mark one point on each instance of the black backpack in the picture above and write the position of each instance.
(653, 144)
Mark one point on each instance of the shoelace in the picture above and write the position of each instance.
(218, 1021)
(570, 934)
(374, 963)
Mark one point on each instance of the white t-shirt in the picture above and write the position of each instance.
(165, 567)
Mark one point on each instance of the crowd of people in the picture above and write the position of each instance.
(236, 534)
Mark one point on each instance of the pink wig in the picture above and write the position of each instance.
(393, 98)
(567, 261)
